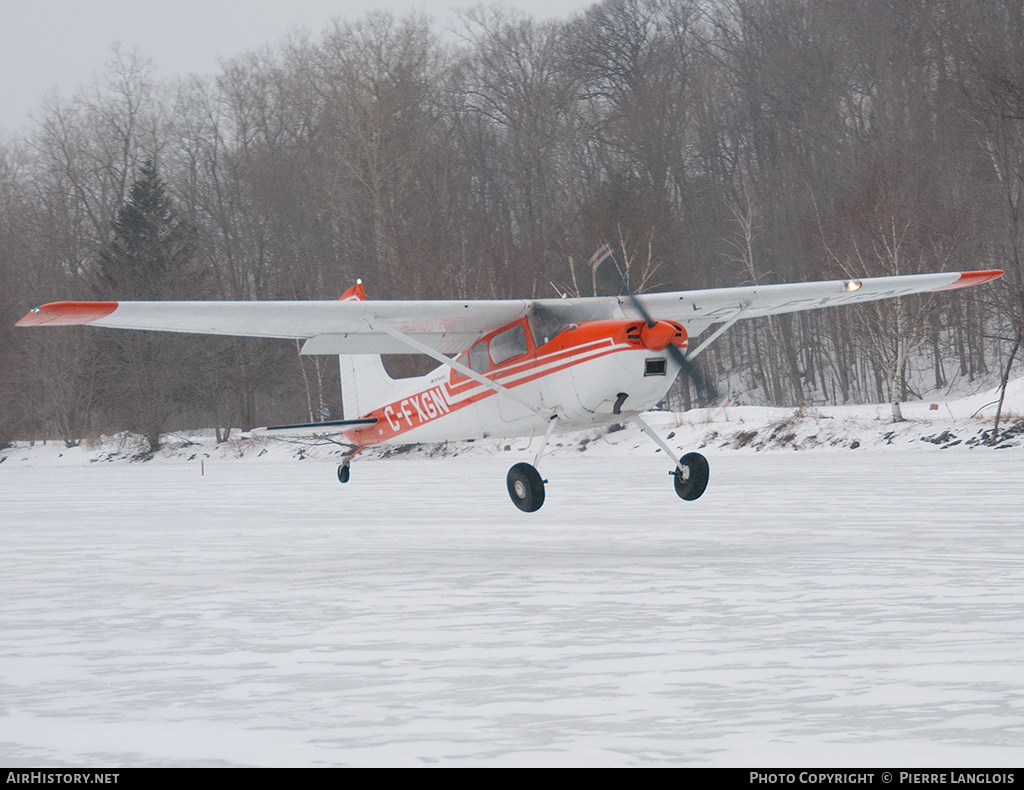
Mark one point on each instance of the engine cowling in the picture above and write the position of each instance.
(658, 337)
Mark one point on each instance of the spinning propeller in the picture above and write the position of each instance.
(705, 390)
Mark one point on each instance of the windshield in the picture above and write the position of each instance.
(549, 318)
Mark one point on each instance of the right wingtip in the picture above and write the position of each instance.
(67, 313)
(967, 279)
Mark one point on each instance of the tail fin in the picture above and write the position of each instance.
(365, 384)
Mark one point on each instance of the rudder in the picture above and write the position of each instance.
(365, 384)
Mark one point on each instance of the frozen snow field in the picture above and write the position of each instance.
(846, 608)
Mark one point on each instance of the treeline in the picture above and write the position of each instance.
(713, 142)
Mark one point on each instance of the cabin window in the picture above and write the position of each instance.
(478, 360)
(509, 344)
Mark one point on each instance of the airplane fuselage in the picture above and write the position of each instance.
(590, 374)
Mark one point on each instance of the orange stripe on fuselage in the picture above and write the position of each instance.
(513, 368)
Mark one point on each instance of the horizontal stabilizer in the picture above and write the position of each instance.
(314, 428)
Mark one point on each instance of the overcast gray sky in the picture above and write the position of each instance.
(60, 44)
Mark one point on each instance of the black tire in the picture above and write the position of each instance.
(525, 487)
(343, 473)
(691, 485)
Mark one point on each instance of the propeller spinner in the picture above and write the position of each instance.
(653, 330)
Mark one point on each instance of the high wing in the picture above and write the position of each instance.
(329, 327)
(450, 326)
(697, 310)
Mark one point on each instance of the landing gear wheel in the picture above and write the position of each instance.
(343, 473)
(525, 487)
(692, 479)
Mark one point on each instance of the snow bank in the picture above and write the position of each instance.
(928, 425)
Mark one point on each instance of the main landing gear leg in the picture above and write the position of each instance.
(692, 470)
(525, 485)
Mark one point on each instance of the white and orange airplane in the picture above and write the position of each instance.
(508, 368)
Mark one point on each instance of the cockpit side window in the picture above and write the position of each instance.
(509, 344)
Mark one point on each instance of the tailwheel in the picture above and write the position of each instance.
(526, 487)
(345, 467)
(692, 478)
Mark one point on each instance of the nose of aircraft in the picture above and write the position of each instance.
(658, 336)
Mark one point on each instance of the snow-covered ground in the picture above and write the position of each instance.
(860, 603)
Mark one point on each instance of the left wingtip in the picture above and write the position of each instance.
(67, 313)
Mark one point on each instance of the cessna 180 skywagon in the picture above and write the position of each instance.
(515, 367)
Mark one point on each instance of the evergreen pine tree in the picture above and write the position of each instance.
(151, 255)
(152, 251)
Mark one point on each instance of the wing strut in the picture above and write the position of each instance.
(718, 332)
(457, 366)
